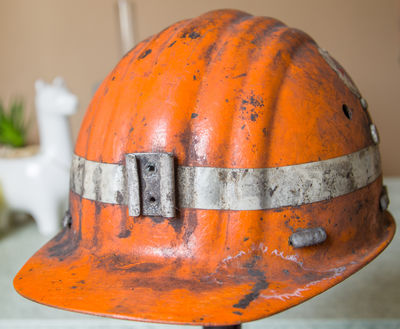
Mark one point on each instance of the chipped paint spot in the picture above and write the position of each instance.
(194, 35)
(191, 35)
(144, 54)
(256, 101)
(264, 132)
(240, 76)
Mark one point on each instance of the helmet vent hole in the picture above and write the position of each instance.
(347, 111)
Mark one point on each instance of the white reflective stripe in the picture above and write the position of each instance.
(266, 188)
(104, 182)
(239, 189)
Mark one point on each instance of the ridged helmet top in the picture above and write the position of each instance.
(209, 88)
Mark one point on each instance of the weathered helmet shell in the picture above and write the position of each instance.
(224, 90)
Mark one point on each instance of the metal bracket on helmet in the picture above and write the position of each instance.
(150, 184)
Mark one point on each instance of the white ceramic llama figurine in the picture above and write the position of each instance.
(39, 184)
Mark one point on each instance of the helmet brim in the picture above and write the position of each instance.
(146, 292)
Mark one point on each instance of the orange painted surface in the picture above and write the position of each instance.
(222, 90)
(260, 93)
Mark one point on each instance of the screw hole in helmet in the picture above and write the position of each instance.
(347, 111)
(151, 168)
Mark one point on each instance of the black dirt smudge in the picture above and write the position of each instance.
(124, 263)
(120, 197)
(253, 116)
(255, 292)
(239, 76)
(256, 102)
(208, 52)
(190, 225)
(143, 267)
(194, 35)
(68, 242)
(264, 132)
(144, 54)
(272, 191)
(260, 285)
(191, 35)
(124, 234)
(157, 219)
(176, 224)
(98, 206)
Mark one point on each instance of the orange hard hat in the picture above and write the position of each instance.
(226, 170)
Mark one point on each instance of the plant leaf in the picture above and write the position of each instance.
(12, 126)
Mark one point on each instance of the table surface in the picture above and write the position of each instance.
(368, 299)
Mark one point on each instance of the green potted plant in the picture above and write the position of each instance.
(13, 144)
(13, 131)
